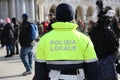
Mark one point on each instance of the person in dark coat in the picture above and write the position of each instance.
(1, 30)
(105, 43)
(26, 40)
(7, 37)
(16, 36)
(52, 19)
(64, 30)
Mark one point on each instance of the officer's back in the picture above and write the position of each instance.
(64, 51)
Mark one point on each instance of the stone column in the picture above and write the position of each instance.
(18, 10)
(32, 10)
(0, 8)
(84, 14)
(36, 11)
(23, 6)
(46, 11)
(13, 9)
(4, 9)
(84, 18)
(41, 13)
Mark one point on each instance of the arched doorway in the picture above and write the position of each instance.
(117, 12)
(53, 9)
(89, 11)
(78, 13)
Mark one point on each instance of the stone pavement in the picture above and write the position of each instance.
(12, 68)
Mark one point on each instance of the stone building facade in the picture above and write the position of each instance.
(15, 8)
(83, 8)
(38, 10)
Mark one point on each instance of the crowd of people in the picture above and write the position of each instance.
(57, 59)
(16, 37)
(9, 34)
(65, 45)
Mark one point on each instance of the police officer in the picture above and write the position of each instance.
(64, 53)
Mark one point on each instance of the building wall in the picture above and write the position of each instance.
(83, 8)
(38, 10)
(15, 8)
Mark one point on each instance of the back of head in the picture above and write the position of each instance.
(99, 3)
(25, 16)
(14, 19)
(7, 20)
(64, 13)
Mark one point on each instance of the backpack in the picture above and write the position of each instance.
(34, 31)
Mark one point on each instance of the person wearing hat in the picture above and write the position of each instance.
(52, 20)
(26, 46)
(65, 53)
(16, 36)
(7, 37)
(106, 43)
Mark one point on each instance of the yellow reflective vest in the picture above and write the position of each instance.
(64, 42)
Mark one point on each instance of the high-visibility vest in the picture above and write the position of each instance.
(64, 42)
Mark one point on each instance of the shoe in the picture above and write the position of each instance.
(13, 53)
(17, 52)
(10, 55)
(27, 73)
(7, 56)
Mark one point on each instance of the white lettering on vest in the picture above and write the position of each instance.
(63, 45)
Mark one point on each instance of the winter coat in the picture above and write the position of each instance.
(16, 34)
(7, 34)
(25, 37)
(104, 39)
(1, 29)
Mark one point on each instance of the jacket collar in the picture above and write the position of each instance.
(64, 26)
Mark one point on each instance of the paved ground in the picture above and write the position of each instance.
(12, 68)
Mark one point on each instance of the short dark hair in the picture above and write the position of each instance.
(14, 19)
(25, 16)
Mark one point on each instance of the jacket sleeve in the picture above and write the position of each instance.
(91, 67)
(40, 51)
(41, 72)
(89, 53)
(91, 70)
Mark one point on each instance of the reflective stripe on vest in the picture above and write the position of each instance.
(56, 75)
